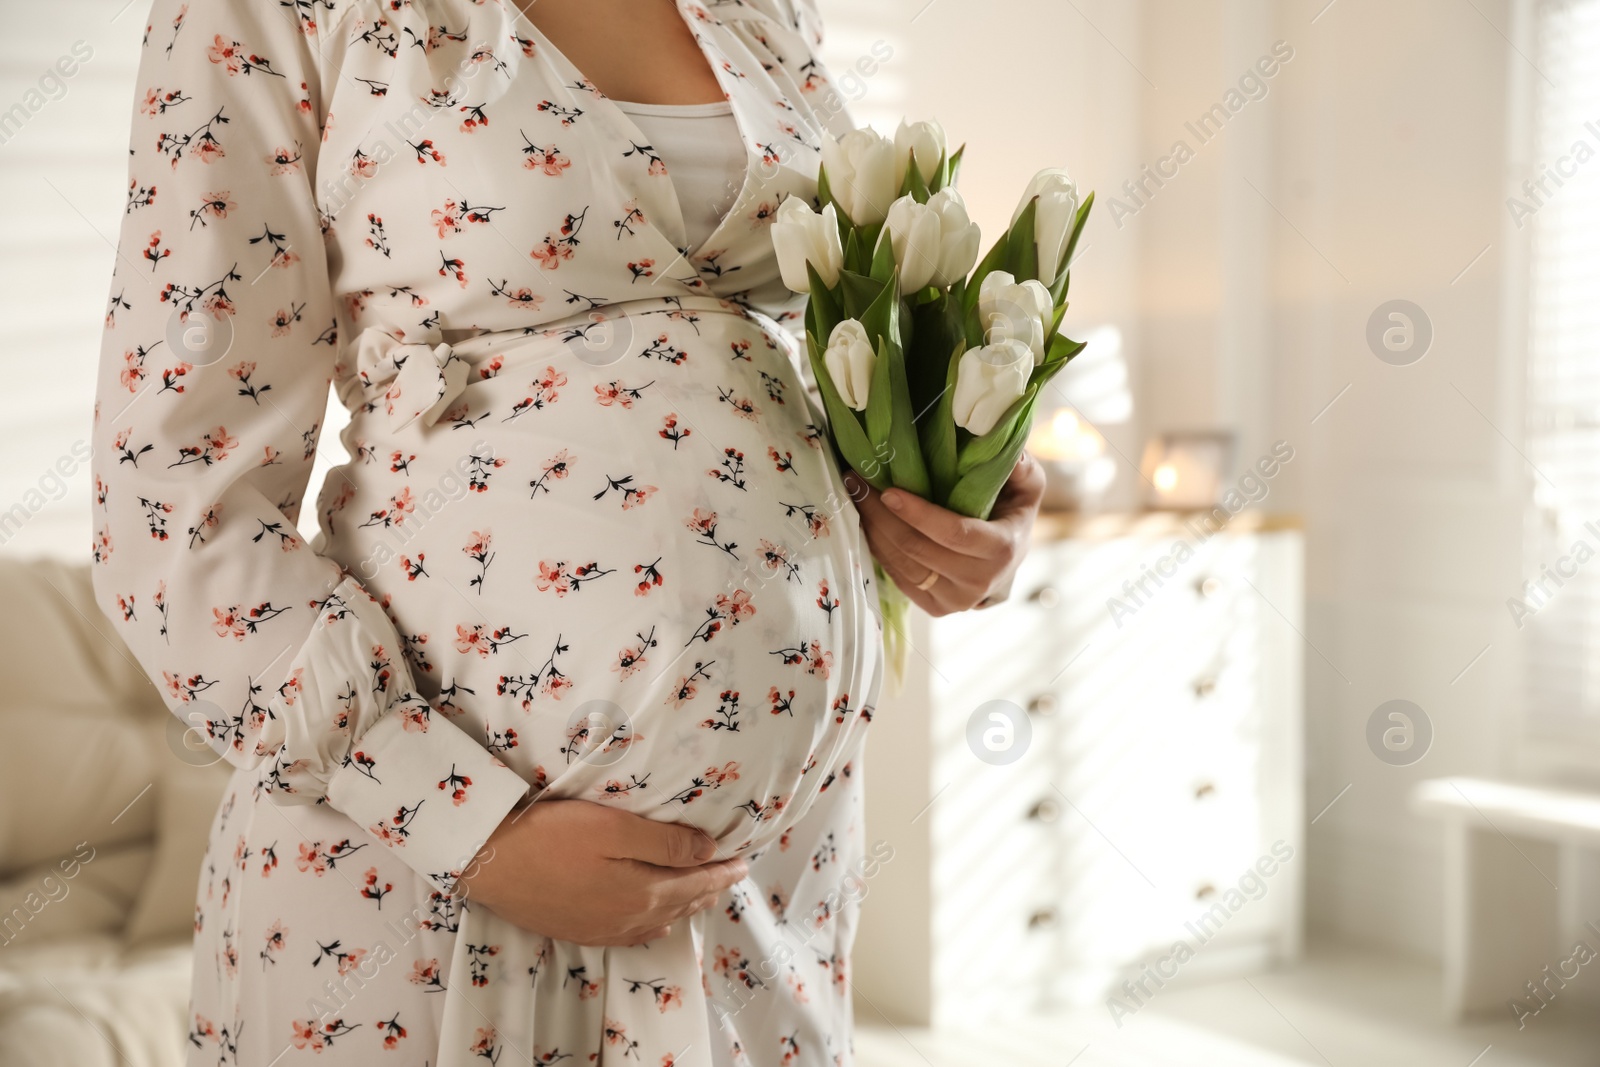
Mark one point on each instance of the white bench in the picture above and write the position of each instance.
(1520, 875)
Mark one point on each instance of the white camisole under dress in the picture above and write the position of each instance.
(704, 157)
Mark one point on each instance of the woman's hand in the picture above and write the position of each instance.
(947, 562)
(582, 872)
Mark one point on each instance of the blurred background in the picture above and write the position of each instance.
(1286, 749)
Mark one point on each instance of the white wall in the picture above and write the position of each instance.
(1373, 169)
(1388, 157)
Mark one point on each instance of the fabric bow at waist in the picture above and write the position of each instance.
(423, 378)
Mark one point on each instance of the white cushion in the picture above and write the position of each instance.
(88, 754)
(85, 1002)
(53, 901)
(79, 719)
(186, 806)
(95, 771)
(90, 670)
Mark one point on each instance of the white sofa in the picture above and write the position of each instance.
(103, 820)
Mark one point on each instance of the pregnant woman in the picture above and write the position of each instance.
(548, 749)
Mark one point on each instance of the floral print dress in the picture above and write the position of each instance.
(589, 544)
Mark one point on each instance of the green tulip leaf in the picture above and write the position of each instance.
(992, 261)
(846, 228)
(954, 167)
(941, 173)
(914, 185)
(883, 258)
(1061, 350)
(823, 310)
(882, 316)
(980, 450)
(1022, 256)
(866, 245)
(905, 455)
(954, 296)
(1055, 320)
(859, 292)
(975, 492)
(974, 333)
(852, 251)
(1058, 289)
(927, 344)
(880, 400)
(938, 433)
(1077, 231)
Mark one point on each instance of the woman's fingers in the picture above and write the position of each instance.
(967, 537)
(623, 879)
(915, 540)
(696, 906)
(1024, 488)
(663, 844)
(705, 902)
(905, 541)
(665, 895)
(713, 878)
(628, 941)
(909, 557)
(670, 890)
(948, 593)
(901, 567)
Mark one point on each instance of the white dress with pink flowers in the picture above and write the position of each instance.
(590, 542)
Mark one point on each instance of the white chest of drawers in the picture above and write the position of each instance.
(1163, 764)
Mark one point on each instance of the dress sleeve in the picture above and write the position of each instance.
(220, 341)
(827, 95)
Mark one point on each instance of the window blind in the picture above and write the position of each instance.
(63, 174)
(1562, 664)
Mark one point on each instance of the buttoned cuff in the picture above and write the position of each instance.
(423, 787)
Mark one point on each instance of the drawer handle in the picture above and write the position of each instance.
(1204, 891)
(1046, 596)
(1043, 919)
(1043, 705)
(1204, 687)
(1209, 586)
(1045, 811)
(1203, 790)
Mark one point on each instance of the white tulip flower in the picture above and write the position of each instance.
(913, 230)
(959, 237)
(1053, 218)
(850, 358)
(800, 236)
(926, 141)
(1012, 310)
(861, 167)
(988, 381)
(934, 243)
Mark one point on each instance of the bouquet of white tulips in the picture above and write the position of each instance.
(929, 369)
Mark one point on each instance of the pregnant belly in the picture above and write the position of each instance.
(634, 575)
